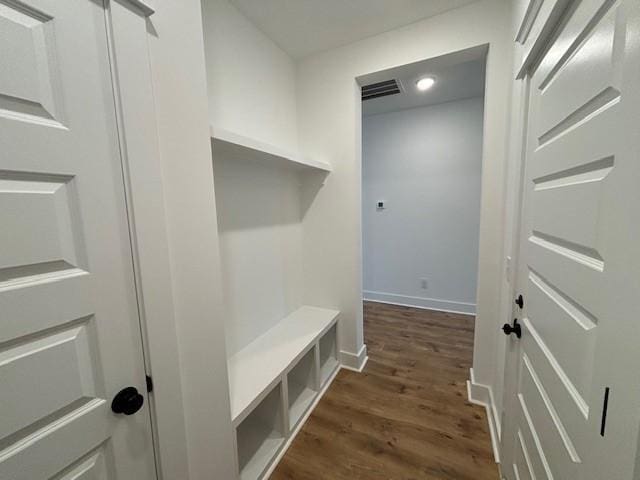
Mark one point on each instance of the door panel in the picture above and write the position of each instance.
(529, 442)
(579, 252)
(524, 460)
(69, 330)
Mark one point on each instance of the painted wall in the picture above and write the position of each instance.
(425, 164)
(252, 92)
(260, 246)
(179, 85)
(251, 81)
(329, 127)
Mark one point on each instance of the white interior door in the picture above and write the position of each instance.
(69, 331)
(579, 265)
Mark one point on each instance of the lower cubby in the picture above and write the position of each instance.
(301, 382)
(328, 353)
(260, 436)
(291, 355)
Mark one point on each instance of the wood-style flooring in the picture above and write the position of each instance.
(406, 417)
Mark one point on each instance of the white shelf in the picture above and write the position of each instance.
(255, 369)
(237, 145)
(260, 436)
(304, 398)
(327, 368)
(302, 385)
(328, 354)
(262, 457)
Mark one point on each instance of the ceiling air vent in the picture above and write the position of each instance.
(381, 89)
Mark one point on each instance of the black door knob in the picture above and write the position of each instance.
(128, 401)
(520, 301)
(515, 328)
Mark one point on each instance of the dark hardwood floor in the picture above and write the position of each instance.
(406, 416)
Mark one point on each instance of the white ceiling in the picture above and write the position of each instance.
(458, 75)
(303, 27)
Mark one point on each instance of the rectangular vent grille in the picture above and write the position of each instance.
(380, 89)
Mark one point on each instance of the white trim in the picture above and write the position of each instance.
(301, 422)
(547, 15)
(527, 21)
(139, 150)
(421, 302)
(144, 6)
(354, 361)
(483, 395)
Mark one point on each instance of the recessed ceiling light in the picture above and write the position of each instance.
(425, 83)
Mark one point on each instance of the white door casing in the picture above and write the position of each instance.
(579, 254)
(69, 331)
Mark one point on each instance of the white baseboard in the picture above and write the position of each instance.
(483, 395)
(421, 302)
(353, 361)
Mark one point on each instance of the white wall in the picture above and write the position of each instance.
(425, 164)
(329, 127)
(252, 92)
(179, 84)
(260, 246)
(251, 81)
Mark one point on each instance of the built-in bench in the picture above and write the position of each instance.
(275, 380)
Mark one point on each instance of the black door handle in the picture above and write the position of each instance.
(520, 301)
(515, 328)
(128, 401)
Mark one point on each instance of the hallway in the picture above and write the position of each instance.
(407, 416)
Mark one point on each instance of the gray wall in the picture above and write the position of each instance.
(425, 164)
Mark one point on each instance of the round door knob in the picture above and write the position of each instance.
(128, 401)
(515, 328)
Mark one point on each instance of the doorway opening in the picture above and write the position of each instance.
(422, 134)
(422, 154)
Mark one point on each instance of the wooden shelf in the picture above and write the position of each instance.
(255, 369)
(237, 145)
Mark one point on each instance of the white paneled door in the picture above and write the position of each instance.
(574, 411)
(69, 331)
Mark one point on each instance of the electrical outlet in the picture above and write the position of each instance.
(424, 283)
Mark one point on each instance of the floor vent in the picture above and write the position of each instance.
(381, 89)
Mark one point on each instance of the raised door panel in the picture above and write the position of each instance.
(30, 89)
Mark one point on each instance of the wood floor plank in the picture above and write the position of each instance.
(406, 417)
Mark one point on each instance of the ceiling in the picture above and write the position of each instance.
(303, 27)
(458, 75)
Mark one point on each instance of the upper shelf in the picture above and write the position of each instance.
(235, 144)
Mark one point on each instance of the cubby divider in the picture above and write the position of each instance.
(328, 353)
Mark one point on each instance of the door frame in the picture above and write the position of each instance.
(128, 29)
(533, 33)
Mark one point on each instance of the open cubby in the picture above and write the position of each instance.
(328, 353)
(301, 382)
(260, 435)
